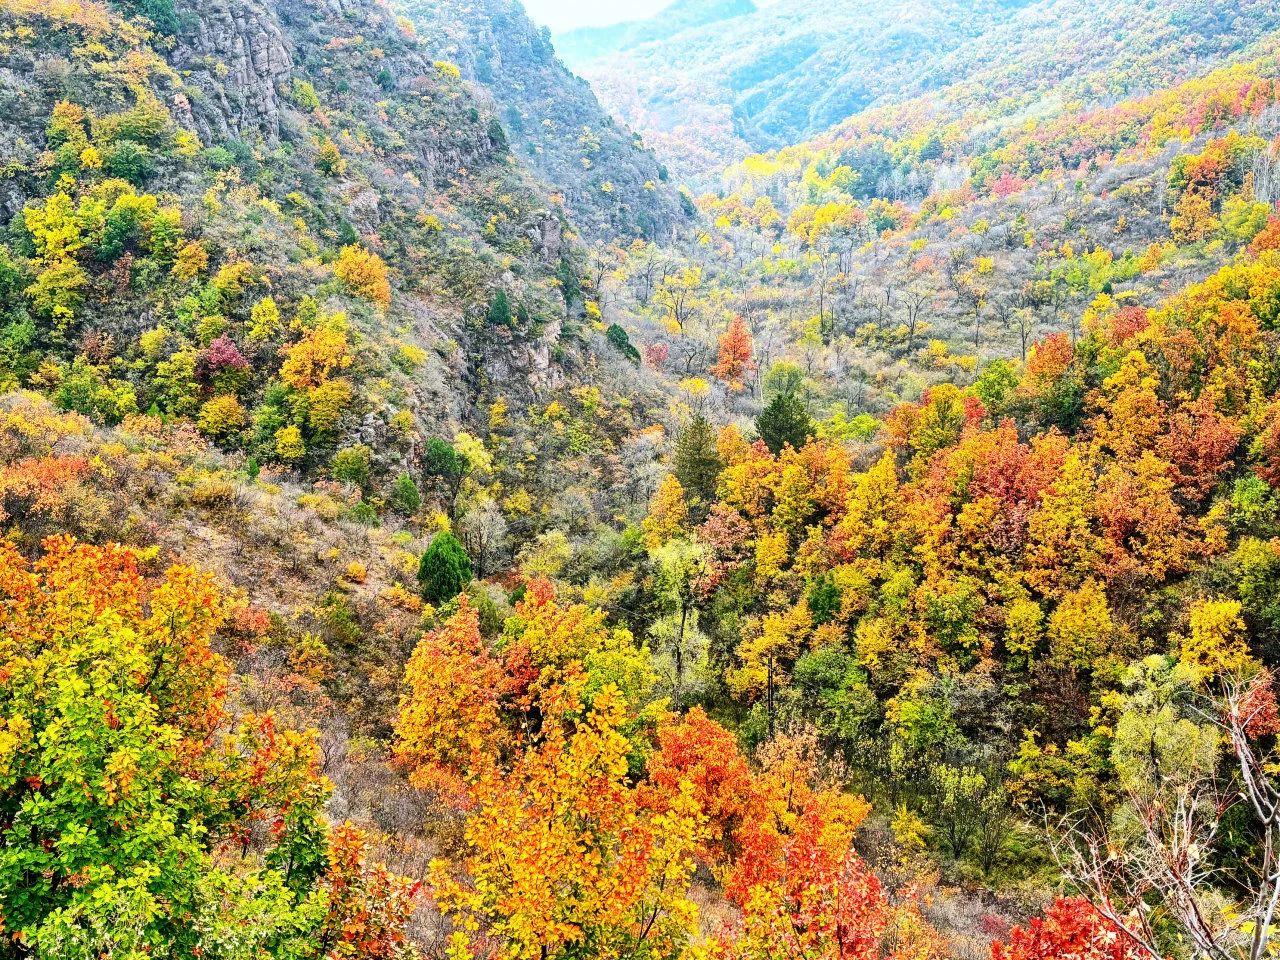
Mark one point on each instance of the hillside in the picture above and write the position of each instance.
(709, 94)
(611, 183)
(432, 531)
(588, 45)
(792, 70)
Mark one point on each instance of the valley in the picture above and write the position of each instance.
(762, 481)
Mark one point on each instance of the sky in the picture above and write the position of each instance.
(562, 15)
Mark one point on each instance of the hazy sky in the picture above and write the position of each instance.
(567, 14)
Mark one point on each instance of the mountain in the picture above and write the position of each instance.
(612, 185)
(790, 71)
(429, 531)
(786, 71)
(584, 46)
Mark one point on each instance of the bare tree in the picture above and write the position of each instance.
(1152, 866)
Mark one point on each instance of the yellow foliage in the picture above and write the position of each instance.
(221, 417)
(322, 352)
(289, 445)
(1216, 646)
(365, 274)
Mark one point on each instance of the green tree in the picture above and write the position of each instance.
(445, 569)
(500, 310)
(445, 469)
(570, 285)
(619, 340)
(351, 465)
(405, 495)
(785, 422)
(697, 463)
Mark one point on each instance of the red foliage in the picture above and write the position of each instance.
(1199, 445)
(702, 753)
(1126, 323)
(1258, 708)
(369, 908)
(221, 356)
(1051, 358)
(1071, 929)
(1269, 238)
(1007, 185)
(656, 355)
(734, 361)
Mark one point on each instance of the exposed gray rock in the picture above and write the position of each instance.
(240, 62)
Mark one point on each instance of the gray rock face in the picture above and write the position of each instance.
(240, 62)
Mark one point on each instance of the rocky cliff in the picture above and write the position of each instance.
(611, 183)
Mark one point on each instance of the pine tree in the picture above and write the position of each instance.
(697, 463)
(445, 569)
(785, 421)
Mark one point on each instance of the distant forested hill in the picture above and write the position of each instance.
(791, 70)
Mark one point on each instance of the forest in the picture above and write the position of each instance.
(778, 481)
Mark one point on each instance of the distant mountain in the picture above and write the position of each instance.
(763, 80)
(769, 77)
(589, 44)
(611, 184)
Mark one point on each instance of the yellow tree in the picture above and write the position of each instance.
(562, 860)
(449, 731)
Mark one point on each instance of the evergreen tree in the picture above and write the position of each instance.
(785, 421)
(570, 285)
(619, 340)
(697, 463)
(405, 495)
(500, 310)
(445, 569)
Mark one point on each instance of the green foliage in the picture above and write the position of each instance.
(405, 496)
(619, 340)
(499, 314)
(86, 390)
(697, 463)
(351, 465)
(995, 386)
(570, 283)
(785, 422)
(445, 569)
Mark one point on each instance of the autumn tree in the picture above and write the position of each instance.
(735, 361)
(449, 730)
(561, 860)
(365, 274)
(126, 782)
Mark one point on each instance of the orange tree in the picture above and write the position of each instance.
(136, 818)
(562, 860)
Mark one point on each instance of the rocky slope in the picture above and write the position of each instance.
(611, 184)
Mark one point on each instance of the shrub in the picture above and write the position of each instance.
(129, 161)
(405, 495)
(365, 274)
(221, 417)
(289, 445)
(330, 161)
(351, 465)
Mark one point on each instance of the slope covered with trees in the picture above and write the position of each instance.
(413, 549)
